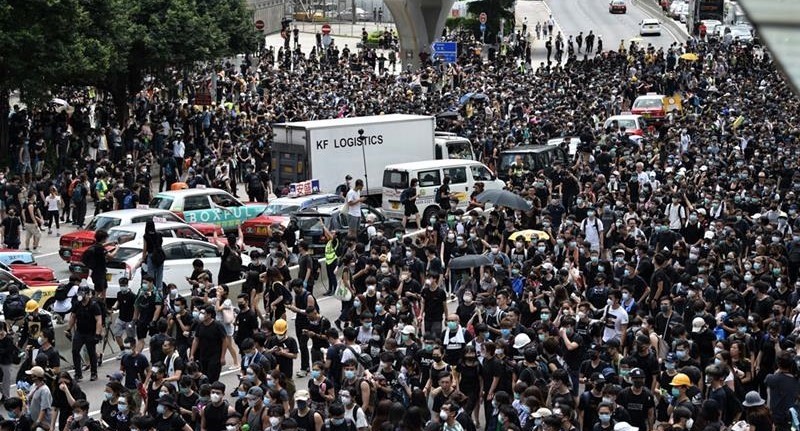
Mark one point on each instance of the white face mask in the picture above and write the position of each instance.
(215, 398)
(443, 415)
(274, 421)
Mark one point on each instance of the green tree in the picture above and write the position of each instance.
(495, 10)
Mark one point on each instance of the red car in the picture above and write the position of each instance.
(617, 6)
(279, 211)
(31, 273)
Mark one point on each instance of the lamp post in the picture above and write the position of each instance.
(361, 139)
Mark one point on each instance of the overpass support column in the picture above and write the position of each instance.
(419, 23)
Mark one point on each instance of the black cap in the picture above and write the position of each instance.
(637, 373)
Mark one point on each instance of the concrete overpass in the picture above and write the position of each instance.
(419, 23)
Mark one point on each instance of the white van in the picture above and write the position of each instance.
(451, 146)
(463, 176)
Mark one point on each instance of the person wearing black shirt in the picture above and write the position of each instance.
(491, 371)
(589, 402)
(638, 401)
(87, 319)
(12, 226)
(123, 327)
(246, 321)
(98, 257)
(283, 347)
(434, 305)
(210, 343)
(134, 364)
(169, 418)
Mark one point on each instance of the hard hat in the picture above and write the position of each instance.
(31, 306)
(279, 327)
(681, 379)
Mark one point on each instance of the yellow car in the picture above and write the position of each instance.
(41, 292)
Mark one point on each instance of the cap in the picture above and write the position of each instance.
(697, 324)
(670, 357)
(31, 306)
(279, 327)
(542, 413)
(348, 177)
(115, 376)
(708, 235)
(681, 379)
(256, 392)
(637, 373)
(753, 399)
(36, 372)
(619, 251)
(624, 426)
(521, 340)
(609, 372)
(597, 377)
(301, 395)
(167, 400)
(409, 329)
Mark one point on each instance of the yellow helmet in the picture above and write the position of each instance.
(681, 379)
(279, 327)
(31, 306)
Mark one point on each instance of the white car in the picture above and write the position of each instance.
(573, 142)
(179, 253)
(683, 13)
(675, 7)
(650, 27)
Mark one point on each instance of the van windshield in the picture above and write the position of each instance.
(530, 161)
(460, 150)
(395, 179)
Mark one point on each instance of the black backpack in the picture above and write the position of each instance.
(233, 262)
(405, 195)
(62, 292)
(14, 307)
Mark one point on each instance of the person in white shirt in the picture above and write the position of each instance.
(615, 318)
(352, 411)
(178, 151)
(354, 201)
(592, 228)
(53, 202)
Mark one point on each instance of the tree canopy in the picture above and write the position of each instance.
(46, 44)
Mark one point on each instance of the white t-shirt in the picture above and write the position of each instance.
(52, 202)
(347, 354)
(620, 317)
(354, 196)
(361, 420)
(66, 305)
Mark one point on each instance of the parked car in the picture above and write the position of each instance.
(675, 8)
(278, 212)
(85, 237)
(361, 15)
(650, 27)
(42, 293)
(179, 253)
(568, 143)
(208, 206)
(9, 257)
(133, 235)
(617, 6)
(309, 16)
(633, 124)
(310, 230)
(32, 274)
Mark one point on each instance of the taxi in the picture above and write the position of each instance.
(209, 206)
(107, 220)
(617, 6)
(655, 107)
(33, 274)
(633, 123)
(279, 211)
(10, 256)
(43, 293)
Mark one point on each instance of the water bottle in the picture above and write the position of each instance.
(719, 333)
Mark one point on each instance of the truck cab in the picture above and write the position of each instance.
(451, 146)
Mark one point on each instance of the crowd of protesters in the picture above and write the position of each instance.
(663, 294)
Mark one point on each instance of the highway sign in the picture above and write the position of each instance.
(482, 17)
(446, 51)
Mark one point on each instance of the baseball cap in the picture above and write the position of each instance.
(115, 376)
(409, 329)
(542, 413)
(36, 372)
(521, 340)
(301, 395)
(637, 373)
(697, 324)
(624, 426)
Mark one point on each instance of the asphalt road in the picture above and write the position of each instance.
(574, 16)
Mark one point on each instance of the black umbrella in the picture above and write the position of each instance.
(447, 114)
(470, 261)
(504, 198)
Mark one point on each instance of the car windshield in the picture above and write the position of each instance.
(103, 222)
(310, 223)
(161, 202)
(121, 236)
(647, 103)
(459, 150)
(280, 209)
(627, 124)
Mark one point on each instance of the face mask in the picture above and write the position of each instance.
(443, 415)
(196, 314)
(337, 421)
(468, 299)
(689, 423)
(605, 418)
(626, 296)
(665, 308)
(366, 325)
(595, 259)
(77, 417)
(349, 374)
(163, 393)
(274, 421)
(608, 400)
(124, 289)
(452, 326)
(408, 255)
(542, 337)
(215, 398)
(680, 354)
(241, 394)
(346, 400)
(122, 407)
(669, 365)
(505, 332)
(537, 422)
(173, 293)
(230, 427)
(638, 383)
(301, 405)
(384, 270)
(160, 409)
(356, 304)
(495, 250)
(108, 395)
(545, 316)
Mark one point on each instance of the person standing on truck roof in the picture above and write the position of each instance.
(343, 188)
(354, 201)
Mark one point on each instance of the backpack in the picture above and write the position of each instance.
(77, 193)
(14, 307)
(363, 359)
(62, 292)
(405, 195)
(89, 258)
(127, 201)
(233, 262)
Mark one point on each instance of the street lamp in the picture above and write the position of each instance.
(361, 139)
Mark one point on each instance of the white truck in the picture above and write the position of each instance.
(328, 150)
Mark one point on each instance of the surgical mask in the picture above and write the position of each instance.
(590, 213)
(356, 304)
(301, 405)
(122, 407)
(595, 259)
(230, 427)
(717, 361)
(626, 296)
(443, 415)
(384, 270)
(160, 409)
(346, 399)
(689, 423)
(337, 421)
(378, 308)
(680, 354)
(173, 292)
(452, 326)
(545, 316)
(215, 398)
(274, 421)
(108, 395)
(241, 394)
(742, 329)
(495, 250)
(676, 392)
(605, 418)
(349, 374)
(77, 417)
